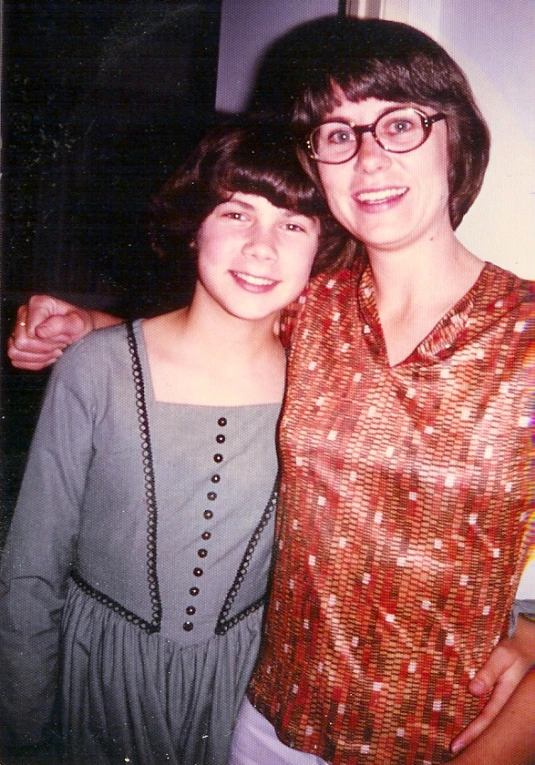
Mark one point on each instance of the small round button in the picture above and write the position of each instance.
(211, 496)
(218, 458)
(197, 572)
(220, 438)
(215, 478)
(194, 591)
(208, 514)
(187, 626)
(222, 422)
(205, 535)
(190, 610)
(202, 553)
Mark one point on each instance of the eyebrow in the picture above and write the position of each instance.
(393, 105)
(246, 206)
(234, 201)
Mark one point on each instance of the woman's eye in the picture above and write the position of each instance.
(399, 126)
(340, 137)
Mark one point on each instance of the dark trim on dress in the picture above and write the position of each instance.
(223, 624)
(112, 604)
(152, 510)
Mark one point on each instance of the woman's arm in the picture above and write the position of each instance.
(505, 729)
(45, 326)
(510, 738)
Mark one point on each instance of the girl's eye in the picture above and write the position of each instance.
(295, 227)
(234, 215)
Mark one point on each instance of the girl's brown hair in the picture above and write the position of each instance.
(253, 159)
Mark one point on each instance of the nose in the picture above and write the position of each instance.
(371, 157)
(261, 243)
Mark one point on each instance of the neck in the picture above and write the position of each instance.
(417, 286)
(211, 358)
(435, 272)
(223, 336)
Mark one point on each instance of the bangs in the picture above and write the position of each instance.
(268, 168)
(408, 79)
(281, 191)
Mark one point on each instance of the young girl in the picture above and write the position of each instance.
(134, 577)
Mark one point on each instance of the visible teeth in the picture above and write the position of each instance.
(256, 280)
(380, 196)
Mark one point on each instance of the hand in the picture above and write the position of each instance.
(499, 676)
(44, 328)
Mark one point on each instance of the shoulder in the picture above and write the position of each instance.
(325, 293)
(331, 281)
(509, 292)
(101, 340)
(99, 355)
(332, 291)
(505, 281)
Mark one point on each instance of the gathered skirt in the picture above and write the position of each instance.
(142, 699)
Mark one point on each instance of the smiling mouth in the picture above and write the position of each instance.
(255, 281)
(381, 196)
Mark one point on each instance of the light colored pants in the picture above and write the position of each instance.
(255, 743)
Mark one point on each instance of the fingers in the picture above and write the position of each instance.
(500, 675)
(34, 357)
(34, 313)
(491, 709)
(43, 329)
(26, 348)
(60, 329)
(492, 670)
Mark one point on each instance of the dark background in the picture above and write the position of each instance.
(101, 101)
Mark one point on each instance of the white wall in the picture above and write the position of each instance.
(494, 42)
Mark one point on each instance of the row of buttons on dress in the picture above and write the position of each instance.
(202, 552)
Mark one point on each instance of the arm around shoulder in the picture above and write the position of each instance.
(45, 326)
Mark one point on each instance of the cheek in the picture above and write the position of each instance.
(330, 180)
(435, 184)
(211, 248)
(336, 186)
(436, 168)
(296, 260)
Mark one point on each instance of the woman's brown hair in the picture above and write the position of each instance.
(371, 58)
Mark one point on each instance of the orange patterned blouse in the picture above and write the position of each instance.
(406, 517)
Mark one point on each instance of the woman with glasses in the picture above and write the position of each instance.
(406, 509)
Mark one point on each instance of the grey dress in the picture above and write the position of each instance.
(135, 571)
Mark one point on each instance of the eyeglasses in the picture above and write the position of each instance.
(398, 130)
